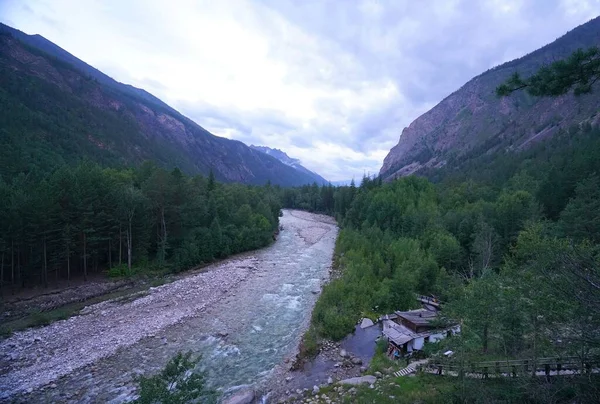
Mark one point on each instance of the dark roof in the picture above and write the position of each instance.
(418, 317)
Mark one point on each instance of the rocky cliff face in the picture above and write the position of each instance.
(473, 120)
(289, 161)
(55, 105)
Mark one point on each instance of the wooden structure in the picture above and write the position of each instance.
(552, 366)
(408, 331)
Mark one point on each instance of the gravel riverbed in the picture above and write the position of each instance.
(245, 315)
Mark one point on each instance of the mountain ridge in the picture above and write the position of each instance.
(472, 120)
(289, 161)
(64, 110)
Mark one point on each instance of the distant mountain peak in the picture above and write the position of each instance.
(289, 161)
(111, 122)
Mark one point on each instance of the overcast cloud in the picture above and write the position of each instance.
(332, 83)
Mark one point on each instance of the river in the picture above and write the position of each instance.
(245, 316)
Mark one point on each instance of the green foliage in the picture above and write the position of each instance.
(41, 319)
(5, 332)
(309, 346)
(178, 382)
(578, 72)
(507, 241)
(118, 271)
(581, 217)
(87, 219)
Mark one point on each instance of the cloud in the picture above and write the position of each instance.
(332, 83)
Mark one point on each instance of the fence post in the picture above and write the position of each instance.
(440, 370)
(558, 368)
(514, 371)
(498, 369)
(547, 369)
(526, 366)
(485, 372)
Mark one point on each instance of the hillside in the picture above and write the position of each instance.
(292, 162)
(473, 121)
(57, 109)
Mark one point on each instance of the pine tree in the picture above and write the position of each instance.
(579, 72)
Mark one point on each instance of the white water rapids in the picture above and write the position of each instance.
(245, 316)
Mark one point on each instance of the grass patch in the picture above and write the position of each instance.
(37, 318)
(309, 347)
(40, 319)
(5, 331)
(418, 389)
(380, 361)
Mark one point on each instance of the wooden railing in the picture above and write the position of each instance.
(554, 366)
(428, 300)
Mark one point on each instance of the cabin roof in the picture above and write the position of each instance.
(418, 317)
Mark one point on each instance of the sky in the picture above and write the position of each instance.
(332, 83)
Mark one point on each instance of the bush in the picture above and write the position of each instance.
(309, 346)
(5, 332)
(118, 271)
(176, 383)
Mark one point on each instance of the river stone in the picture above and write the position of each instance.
(330, 380)
(243, 397)
(316, 389)
(343, 353)
(366, 323)
(359, 380)
(357, 361)
(378, 375)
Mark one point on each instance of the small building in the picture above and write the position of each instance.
(408, 331)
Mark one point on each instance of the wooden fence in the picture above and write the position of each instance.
(555, 366)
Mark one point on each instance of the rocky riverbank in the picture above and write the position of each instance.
(244, 316)
(335, 362)
(35, 358)
(342, 380)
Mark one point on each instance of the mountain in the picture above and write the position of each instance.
(473, 121)
(56, 109)
(287, 160)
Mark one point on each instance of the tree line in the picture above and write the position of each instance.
(80, 220)
(510, 242)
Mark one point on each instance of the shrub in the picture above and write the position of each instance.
(176, 383)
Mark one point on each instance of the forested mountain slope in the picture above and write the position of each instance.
(473, 121)
(292, 162)
(55, 109)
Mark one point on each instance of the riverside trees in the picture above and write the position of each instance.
(508, 242)
(85, 219)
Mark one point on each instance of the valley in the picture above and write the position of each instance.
(151, 257)
(245, 316)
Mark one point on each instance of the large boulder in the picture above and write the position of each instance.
(356, 361)
(359, 380)
(366, 323)
(344, 353)
(242, 397)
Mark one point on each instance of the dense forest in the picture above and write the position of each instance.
(508, 241)
(83, 219)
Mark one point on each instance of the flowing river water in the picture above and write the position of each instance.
(244, 315)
